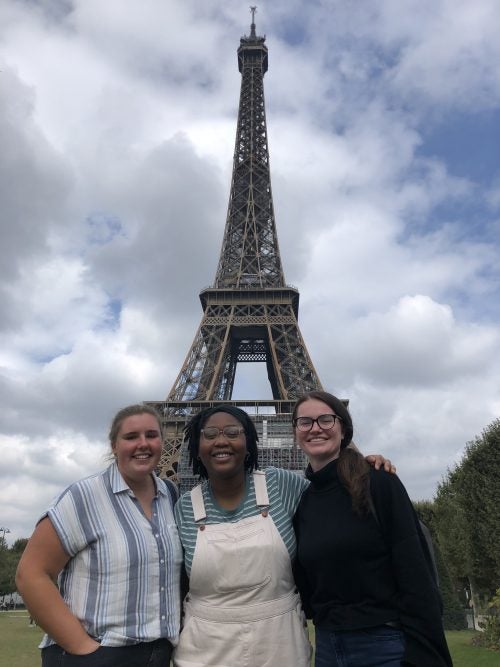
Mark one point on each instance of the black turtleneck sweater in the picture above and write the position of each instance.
(358, 572)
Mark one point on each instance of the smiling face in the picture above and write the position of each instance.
(320, 444)
(223, 457)
(137, 447)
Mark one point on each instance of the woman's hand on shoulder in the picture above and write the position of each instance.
(378, 461)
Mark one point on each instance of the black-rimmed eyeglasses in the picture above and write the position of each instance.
(230, 432)
(323, 421)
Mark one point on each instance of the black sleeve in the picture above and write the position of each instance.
(184, 582)
(419, 600)
(300, 577)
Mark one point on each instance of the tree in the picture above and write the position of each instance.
(453, 606)
(467, 517)
(451, 526)
(7, 571)
(480, 496)
(9, 558)
(19, 546)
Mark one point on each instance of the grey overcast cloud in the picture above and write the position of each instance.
(117, 126)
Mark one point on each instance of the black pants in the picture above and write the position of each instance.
(145, 654)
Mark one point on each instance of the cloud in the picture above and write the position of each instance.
(34, 179)
(42, 467)
(418, 342)
(117, 141)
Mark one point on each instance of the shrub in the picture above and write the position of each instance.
(490, 637)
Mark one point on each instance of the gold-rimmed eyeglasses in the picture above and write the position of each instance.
(230, 432)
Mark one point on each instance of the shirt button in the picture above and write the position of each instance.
(162, 561)
(157, 535)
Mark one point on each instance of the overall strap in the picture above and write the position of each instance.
(259, 481)
(198, 503)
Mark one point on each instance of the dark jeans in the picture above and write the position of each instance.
(145, 654)
(382, 646)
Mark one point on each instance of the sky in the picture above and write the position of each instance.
(117, 129)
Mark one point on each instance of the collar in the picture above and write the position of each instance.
(119, 485)
(324, 477)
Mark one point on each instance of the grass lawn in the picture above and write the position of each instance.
(19, 641)
(465, 655)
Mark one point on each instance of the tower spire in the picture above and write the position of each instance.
(252, 27)
(250, 253)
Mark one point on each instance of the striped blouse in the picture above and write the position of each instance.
(284, 488)
(122, 579)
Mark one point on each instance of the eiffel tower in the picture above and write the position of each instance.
(250, 313)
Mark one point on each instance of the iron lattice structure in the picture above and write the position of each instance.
(250, 313)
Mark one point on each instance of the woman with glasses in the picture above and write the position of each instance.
(236, 529)
(363, 567)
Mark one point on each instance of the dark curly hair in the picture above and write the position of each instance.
(192, 434)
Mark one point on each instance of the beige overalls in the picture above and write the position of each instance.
(242, 609)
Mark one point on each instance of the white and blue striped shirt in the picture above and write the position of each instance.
(122, 579)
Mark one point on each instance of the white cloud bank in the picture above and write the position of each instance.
(117, 124)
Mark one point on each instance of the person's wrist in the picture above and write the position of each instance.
(84, 647)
